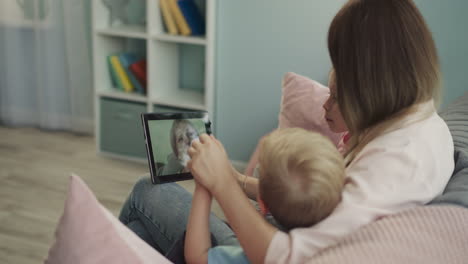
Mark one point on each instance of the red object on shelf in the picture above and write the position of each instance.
(139, 70)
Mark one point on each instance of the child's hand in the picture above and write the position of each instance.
(199, 188)
(210, 165)
(197, 239)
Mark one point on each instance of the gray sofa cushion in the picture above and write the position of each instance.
(456, 117)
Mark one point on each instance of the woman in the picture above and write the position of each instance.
(399, 152)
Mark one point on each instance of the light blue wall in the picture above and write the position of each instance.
(259, 41)
(448, 22)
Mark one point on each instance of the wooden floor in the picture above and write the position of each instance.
(34, 170)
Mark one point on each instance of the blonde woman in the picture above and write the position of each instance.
(398, 152)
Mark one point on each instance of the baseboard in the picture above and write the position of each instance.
(19, 116)
(83, 125)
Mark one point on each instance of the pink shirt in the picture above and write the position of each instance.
(398, 170)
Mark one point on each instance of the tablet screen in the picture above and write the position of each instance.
(169, 137)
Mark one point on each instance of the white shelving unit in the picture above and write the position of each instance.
(166, 55)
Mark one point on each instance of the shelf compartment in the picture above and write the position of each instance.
(134, 27)
(178, 75)
(158, 28)
(107, 45)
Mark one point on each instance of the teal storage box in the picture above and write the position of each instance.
(121, 130)
(167, 109)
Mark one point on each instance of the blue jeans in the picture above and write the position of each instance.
(159, 213)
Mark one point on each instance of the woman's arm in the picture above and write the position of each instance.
(248, 184)
(197, 239)
(211, 167)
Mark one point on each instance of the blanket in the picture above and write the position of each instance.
(428, 234)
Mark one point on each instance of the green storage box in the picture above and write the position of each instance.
(121, 130)
(167, 109)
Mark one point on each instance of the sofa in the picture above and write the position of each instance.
(456, 117)
(437, 233)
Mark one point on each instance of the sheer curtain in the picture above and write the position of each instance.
(45, 64)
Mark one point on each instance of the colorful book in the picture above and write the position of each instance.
(113, 75)
(181, 23)
(126, 59)
(139, 70)
(168, 17)
(121, 74)
(192, 16)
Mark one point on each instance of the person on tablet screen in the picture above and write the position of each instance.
(182, 133)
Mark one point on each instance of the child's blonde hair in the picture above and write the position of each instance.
(301, 176)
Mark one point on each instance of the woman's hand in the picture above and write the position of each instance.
(210, 165)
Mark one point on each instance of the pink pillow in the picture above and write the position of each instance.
(89, 233)
(301, 106)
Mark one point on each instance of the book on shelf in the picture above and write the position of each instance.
(193, 16)
(113, 75)
(127, 72)
(120, 73)
(168, 17)
(181, 23)
(139, 70)
(115, 78)
(127, 59)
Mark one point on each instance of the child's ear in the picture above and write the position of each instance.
(261, 204)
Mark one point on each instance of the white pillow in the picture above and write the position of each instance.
(89, 233)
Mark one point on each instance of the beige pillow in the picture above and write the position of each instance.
(89, 233)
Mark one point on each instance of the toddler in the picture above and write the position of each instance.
(301, 177)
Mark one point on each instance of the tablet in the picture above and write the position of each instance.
(168, 137)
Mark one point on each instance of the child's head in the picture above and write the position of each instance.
(301, 176)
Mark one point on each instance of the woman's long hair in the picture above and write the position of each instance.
(385, 63)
